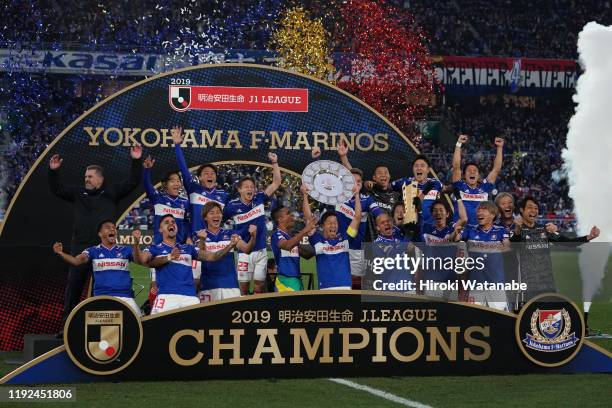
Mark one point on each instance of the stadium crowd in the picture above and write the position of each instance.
(464, 27)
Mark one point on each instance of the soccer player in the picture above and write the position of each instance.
(428, 187)
(379, 189)
(249, 209)
(167, 201)
(199, 193)
(219, 280)
(505, 206)
(345, 213)
(388, 231)
(110, 264)
(389, 243)
(286, 249)
(172, 263)
(332, 246)
(534, 254)
(380, 185)
(439, 239)
(473, 190)
(398, 214)
(487, 241)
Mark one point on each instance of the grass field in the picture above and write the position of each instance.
(477, 391)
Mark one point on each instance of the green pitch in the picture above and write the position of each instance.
(590, 390)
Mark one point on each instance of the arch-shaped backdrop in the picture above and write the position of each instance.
(32, 278)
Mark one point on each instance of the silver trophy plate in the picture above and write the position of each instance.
(328, 182)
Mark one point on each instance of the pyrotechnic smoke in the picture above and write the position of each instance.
(588, 156)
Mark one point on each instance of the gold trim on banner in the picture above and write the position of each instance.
(32, 363)
(421, 298)
(598, 348)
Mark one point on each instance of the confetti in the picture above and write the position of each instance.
(390, 69)
(303, 45)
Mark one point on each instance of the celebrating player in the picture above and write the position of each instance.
(535, 264)
(286, 249)
(246, 210)
(428, 187)
(219, 280)
(332, 245)
(345, 213)
(439, 238)
(505, 206)
(199, 193)
(473, 190)
(172, 263)
(389, 243)
(379, 187)
(167, 201)
(487, 241)
(398, 214)
(110, 264)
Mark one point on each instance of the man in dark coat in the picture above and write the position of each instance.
(94, 202)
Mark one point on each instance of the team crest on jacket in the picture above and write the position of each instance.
(550, 331)
(180, 98)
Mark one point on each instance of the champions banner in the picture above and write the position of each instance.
(452, 71)
(315, 334)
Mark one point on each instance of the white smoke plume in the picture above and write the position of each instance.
(588, 156)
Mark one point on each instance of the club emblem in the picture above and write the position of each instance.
(550, 331)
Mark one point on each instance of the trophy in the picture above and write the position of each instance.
(409, 192)
(328, 182)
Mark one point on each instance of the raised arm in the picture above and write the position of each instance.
(136, 252)
(306, 207)
(146, 177)
(457, 158)
(125, 187)
(555, 236)
(177, 138)
(80, 259)
(289, 244)
(497, 163)
(343, 153)
(463, 218)
(354, 226)
(56, 187)
(276, 175)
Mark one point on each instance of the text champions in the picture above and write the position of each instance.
(329, 345)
